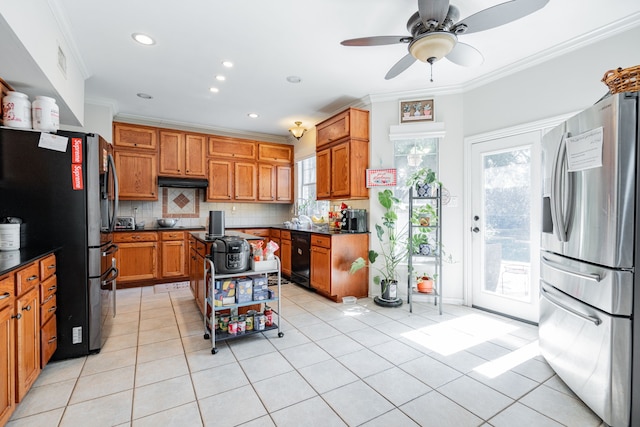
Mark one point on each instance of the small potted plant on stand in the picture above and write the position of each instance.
(422, 180)
(424, 283)
(393, 251)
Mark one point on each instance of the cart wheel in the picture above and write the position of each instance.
(207, 336)
(214, 350)
(280, 334)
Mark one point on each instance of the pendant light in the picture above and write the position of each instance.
(297, 131)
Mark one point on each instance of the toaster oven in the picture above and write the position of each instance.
(125, 223)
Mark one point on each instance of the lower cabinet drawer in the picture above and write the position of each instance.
(48, 340)
(47, 309)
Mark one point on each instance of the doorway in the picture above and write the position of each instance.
(505, 225)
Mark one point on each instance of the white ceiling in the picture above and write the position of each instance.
(270, 40)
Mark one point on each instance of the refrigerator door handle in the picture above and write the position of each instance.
(569, 310)
(559, 267)
(559, 218)
(111, 249)
(111, 167)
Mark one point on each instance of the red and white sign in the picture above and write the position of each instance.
(76, 150)
(381, 178)
(76, 177)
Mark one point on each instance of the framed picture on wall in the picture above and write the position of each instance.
(416, 111)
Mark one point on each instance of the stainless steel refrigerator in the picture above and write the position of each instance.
(64, 188)
(589, 332)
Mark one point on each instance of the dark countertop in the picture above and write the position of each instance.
(203, 236)
(158, 228)
(12, 260)
(315, 230)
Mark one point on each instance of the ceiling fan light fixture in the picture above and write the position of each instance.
(432, 45)
(297, 131)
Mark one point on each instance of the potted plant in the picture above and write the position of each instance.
(393, 251)
(422, 180)
(424, 283)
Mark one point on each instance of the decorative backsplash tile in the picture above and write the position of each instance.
(180, 203)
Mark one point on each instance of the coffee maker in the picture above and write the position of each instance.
(354, 220)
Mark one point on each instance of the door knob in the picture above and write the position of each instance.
(475, 229)
(476, 217)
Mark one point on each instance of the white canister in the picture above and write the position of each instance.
(9, 237)
(16, 110)
(45, 114)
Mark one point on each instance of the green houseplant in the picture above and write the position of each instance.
(393, 250)
(422, 180)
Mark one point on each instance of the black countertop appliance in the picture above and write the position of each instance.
(230, 255)
(354, 220)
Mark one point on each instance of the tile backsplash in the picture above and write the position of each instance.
(188, 206)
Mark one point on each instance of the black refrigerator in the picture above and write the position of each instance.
(64, 188)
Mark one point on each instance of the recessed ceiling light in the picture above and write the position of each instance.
(253, 115)
(220, 78)
(294, 79)
(214, 89)
(227, 64)
(143, 39)
(144, 95)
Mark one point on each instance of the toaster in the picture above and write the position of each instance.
(125, 223)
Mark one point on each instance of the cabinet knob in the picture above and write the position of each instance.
(27, 308)
(34, 277)
(17, 316)
(5, 295)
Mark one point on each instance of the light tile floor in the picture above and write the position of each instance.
(336, 365)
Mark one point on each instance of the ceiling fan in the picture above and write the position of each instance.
(434, 32)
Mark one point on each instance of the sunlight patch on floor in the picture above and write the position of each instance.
(509, 361)
(452, 336)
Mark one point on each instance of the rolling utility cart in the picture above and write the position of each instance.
(214, 304)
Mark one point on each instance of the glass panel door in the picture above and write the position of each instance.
(505, 227)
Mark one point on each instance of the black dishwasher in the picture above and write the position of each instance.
(300, 257)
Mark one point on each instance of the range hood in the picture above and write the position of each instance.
(164, 181)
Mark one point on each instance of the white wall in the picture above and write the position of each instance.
(566, 84)
(97, 119)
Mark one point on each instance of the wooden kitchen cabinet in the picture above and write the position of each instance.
(342, 156)
(331, 258)
(341, 171)
(275, 183)
(135, 136)
(27, 336)
(7, 348)
(245, 181)
(182, 154)
(285, 252)
(173, 254)
(232, 181)
(198, 251)
(48, 307)
(137, 256)
(137, 175)
(277, 153)
(236, 148)
(353, 123)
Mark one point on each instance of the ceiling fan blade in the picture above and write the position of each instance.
(432, 9)
(501, 14)
(400, 66)
(376, 41)
(465, 55)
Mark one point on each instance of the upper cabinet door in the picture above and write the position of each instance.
(171, 153)
(278, 153)
(195, 150)
(137, 175)
(135, 136)
(222, 146)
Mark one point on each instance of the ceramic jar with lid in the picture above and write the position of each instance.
(16, 110)
(45, 114)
